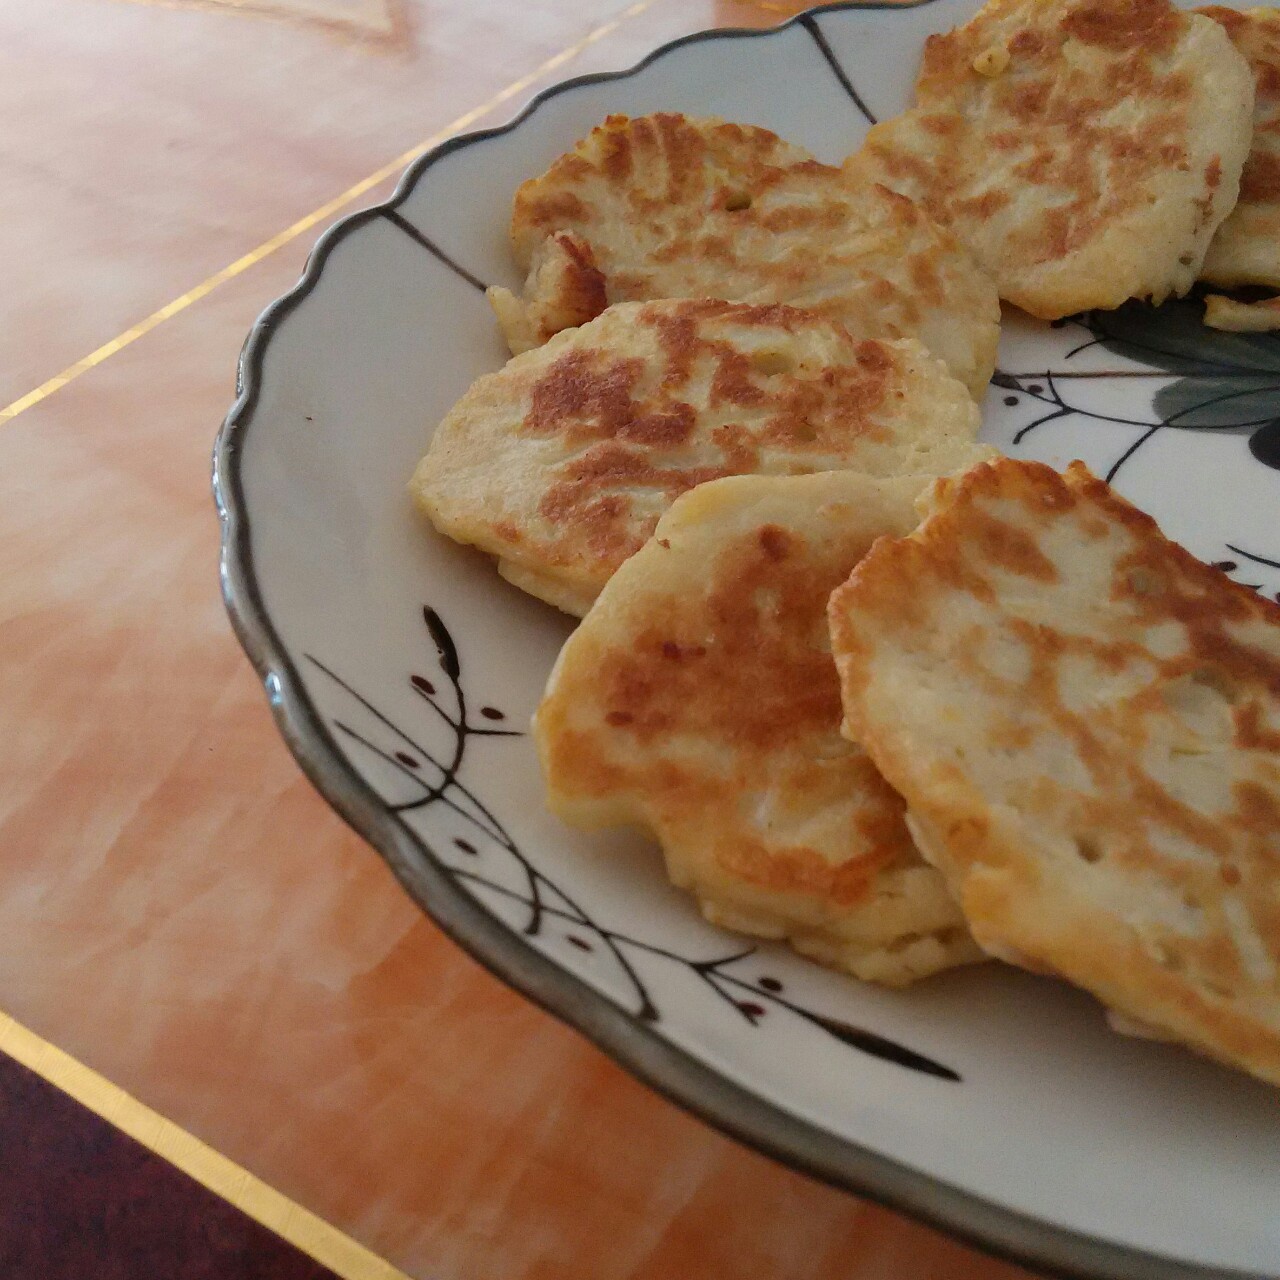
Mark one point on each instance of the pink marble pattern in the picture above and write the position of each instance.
(178, 909)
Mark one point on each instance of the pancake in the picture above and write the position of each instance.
(1084, 721)
(1246, 249)
(1234, 316)
(561, 463)
(698, 700)
(668, 206)
(1086, 151)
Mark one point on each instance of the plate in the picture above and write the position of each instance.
(403, 671)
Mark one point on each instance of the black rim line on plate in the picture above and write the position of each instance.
(671, 1071)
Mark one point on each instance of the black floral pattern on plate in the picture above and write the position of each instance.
(1203, 380)
(546, 904)
(1225, 381)
(1209, 380)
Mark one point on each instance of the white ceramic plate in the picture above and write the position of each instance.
(402, 669)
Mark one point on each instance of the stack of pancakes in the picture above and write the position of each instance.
(1029, 727)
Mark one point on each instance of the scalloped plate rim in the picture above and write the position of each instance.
(671, 1071)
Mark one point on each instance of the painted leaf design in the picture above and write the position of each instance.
(1218, 403)
(878, 1046)
(444, 643)
(1264, 444)
(1227, 382)
(1173, 337)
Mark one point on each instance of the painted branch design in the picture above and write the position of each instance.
(488, 854)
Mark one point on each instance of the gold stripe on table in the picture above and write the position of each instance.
(311, 220)
(226, 1179)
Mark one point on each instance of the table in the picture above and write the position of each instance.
(180, 914)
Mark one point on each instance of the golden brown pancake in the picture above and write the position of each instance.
(1084, 722)
(1246, 250)
(561, 464)
(1086, 151)
(668, 206)
(698, 699)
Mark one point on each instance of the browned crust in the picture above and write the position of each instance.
(1071, 147)
(562, 462)
(698, 699)
(1019, 900)
(1247, 248)
(673, 206)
